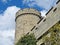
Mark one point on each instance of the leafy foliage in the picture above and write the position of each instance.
(27, 40)
(54, 38)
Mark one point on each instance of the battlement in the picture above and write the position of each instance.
(51, 18)
(30, 21)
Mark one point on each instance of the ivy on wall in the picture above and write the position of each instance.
(54, 38)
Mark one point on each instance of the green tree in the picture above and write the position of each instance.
(27, 40)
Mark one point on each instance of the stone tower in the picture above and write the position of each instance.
(31, 21)
(26, 19)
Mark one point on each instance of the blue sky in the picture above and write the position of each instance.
(8, 9)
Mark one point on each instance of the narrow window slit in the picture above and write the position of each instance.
(57, 1)
(39, 21)
(54, 9)
(33, 28)
(36, 28)
(27, 33)
(49, 10)
(44, 20)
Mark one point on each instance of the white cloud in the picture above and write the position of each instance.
(7, 21)
(7, 26)
(43, 12)
(5, 1)
(7, 37)
(47, 4)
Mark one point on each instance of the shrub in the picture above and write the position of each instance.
(27, 40)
